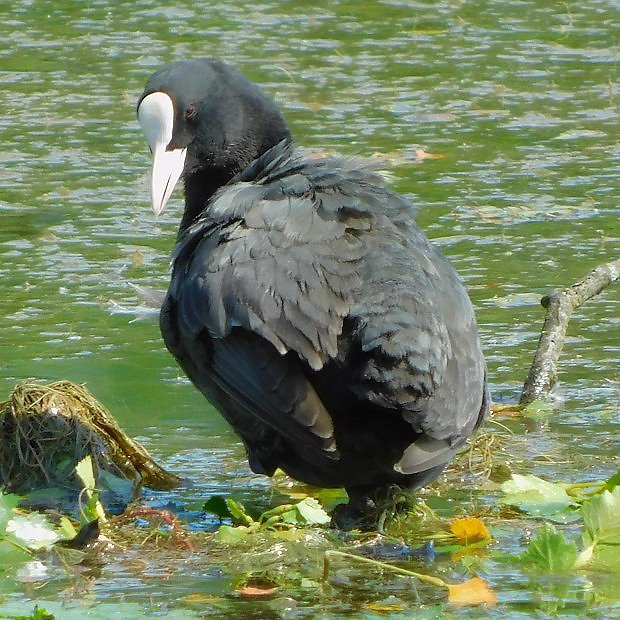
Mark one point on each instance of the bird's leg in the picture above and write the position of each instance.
(366, 508)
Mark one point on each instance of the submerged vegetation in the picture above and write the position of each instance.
(45, 430)
(429, 555)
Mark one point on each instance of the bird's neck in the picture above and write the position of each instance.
(199, 189)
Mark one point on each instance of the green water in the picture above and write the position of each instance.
(519, 99)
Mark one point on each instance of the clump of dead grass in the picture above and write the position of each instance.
(46, 429)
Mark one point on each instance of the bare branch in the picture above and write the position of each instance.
(560, 305)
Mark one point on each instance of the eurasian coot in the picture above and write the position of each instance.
(305, 303)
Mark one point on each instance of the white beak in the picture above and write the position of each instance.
(156, 116)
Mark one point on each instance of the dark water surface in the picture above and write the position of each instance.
(518, 100)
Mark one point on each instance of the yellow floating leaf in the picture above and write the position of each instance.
(256, 589)
(469, 530)
(476, 591)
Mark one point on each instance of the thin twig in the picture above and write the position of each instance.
(434, 581)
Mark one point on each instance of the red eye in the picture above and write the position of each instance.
(191, 111)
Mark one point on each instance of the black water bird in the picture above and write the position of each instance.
(305, 303)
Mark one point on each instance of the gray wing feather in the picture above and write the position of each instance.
(286, 271)
(291, 257)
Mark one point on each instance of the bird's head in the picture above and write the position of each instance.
(205, 121)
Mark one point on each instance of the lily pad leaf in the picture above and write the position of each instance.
(536, 496)
(238, 512)
(605, 558)
(312, 512)
(585, 557)
(8, 502)
(550, 551)
(39, 613)
(217, 505)
(232, 535)
(292, 517)
(33, 530)
(85, 471)
(613, 482)
(601, 518)
(66, 529)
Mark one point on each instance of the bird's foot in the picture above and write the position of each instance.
(359, 514)
(367, 512)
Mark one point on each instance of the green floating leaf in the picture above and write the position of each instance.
(613, 482)
(33, 530)
(86, 473)
(312, 512)
(330, 498)
(79, 610)
(536, 496)
(8, 503)
(49, 496)
(37, 614)
(550, 551)
(585, 557)
(93, 509)
(12, 553)
(232, 535)
(292, 517)
(605, 558)
(66, 530)
(601, 518)
(217, 505)
(537, 408)
(238, 512)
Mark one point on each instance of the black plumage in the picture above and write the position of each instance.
(305, 303)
